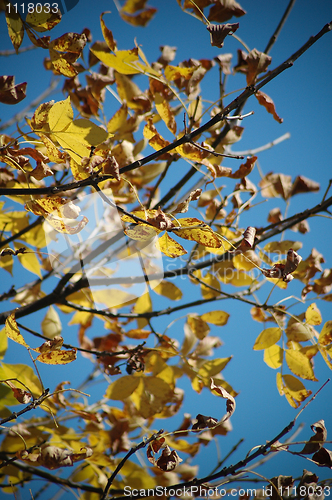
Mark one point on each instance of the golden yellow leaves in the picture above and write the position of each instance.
(298, 357)
(148, 394)
(187, 228)
(75, 136)
(49, 352)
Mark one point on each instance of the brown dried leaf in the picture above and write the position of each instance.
(302, 184)
(248, 238)
(316, 442)
(204, 422)
(168, 460)
(222, 10)
(218, 32)
(224, 61)
(276, 185)
(266, 101)
(111, 167)
(184, 205)
(21, 395)
(160, 220)
(323, 457)
(11, 93)
(245, 168)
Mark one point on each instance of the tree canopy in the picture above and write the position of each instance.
(135, 237)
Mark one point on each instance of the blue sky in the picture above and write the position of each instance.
(302, 95)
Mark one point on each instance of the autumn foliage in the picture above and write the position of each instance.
(101, 244)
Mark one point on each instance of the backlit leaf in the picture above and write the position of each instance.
(198, 326)
(57, 357)
(268, 104)
(168, 289)
(273, 356)
(44, 20)
(196, 230)
(123, 61)
(122, 388)
(15, 27)
(293, 389)
(29, 261)
(267, 338)
(299, 364)
(51, 324)
(219, 318)
(325, 336)
(13, 332)
(170, 247)
(313, 315)
(76, 137)
(165, 112)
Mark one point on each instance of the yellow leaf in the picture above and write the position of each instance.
(299, 364)
(123, 61)
(213, 367)
(60, 115)
(118, 120)
(175, 72)
(29, 261)
(313, 315)
(77, 136)
(141, 232)
(151, 396)
(57, 357)
(273, 356)
(3, 342)
(15, 26)
(169, 290)
(44, 20)
(165, 112)
(24, 374)
(196, 230)
(130, 93)
(13, 332)
(170, 247)
(122, 388)
(294, 390)
(198, 326)
(143, 305)
(51, 324)
(325, 336)
(219, 318)
(267, 338)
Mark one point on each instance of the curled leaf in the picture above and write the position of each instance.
(316, 441)
(204, 422)
(168, 459)
(11, 93)
(218, 32)
(268, 104)
(230, 403)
